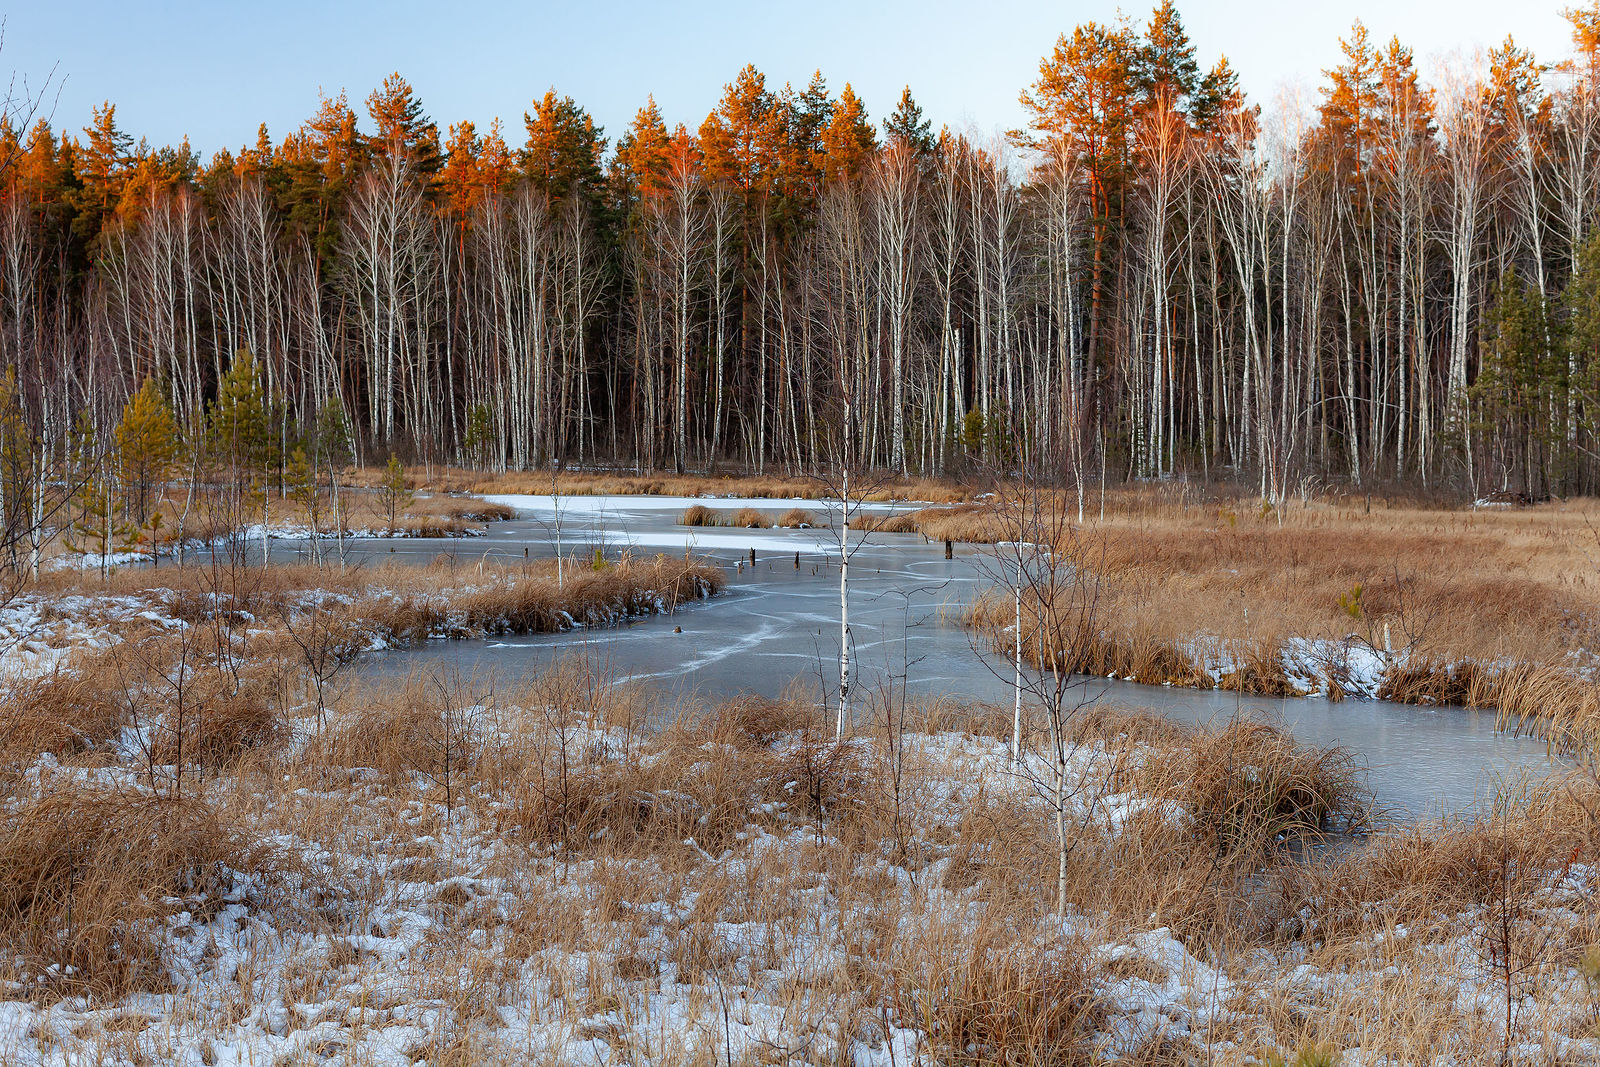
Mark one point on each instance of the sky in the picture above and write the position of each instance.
(214, 71)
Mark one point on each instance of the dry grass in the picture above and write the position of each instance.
(574, 854)
(745, 518)
(430, 514)
(406, 603)
(663, 484)
(570, 860)
(980, 1000)
(89, 873)
(1249, 786)
(1485, 608)
(67, 712)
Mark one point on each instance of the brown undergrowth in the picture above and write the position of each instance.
(89, 873)
(1477, 607)
(777, 487)
(570, 845)
(450, 597)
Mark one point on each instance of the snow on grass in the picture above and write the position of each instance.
(398, 932)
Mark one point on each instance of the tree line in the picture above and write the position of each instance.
(1394, 280)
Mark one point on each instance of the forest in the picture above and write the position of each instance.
(1391, 282)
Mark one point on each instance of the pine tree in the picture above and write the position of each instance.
(1166, 68)
(460, 179)
(562, 155)
(334, 451)
(300, 480)
(22, 478)
(805, 116)
(847, 141)
(148, 445)
(402, 128)
(741, 138)
(99, 528)
(641, 157)
(907, 125)
(1521, 384)
(99, 164)
(1082, 110)
(242, 438)
(478, 442)
(241, 428)
(394, 495)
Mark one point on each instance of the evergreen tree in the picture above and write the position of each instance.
(847, 141)
(1166, 67)
(401, 128)
(907, 125)
(300, 480)
(241, 425)
(99, 164)
(394, 494)
(562, 155)
(1521, 385)
(148, 445)
(805, 116)
(641, 159)
(242, 437)
(742, 142)
(99, 528)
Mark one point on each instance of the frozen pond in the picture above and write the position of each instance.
(777, 621)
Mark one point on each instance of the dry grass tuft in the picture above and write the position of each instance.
(220, 730)
(63, 713)
(1250, 785)
(699, 515)
(981, 1000)
(88, 874)
(750, 722)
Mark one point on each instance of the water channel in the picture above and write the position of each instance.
(777, 620)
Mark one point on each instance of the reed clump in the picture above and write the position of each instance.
(699, 515)
(221, 729)
(89, 873)
(68, 712)
(1249, 785)
(631, 589)
(979, 1000)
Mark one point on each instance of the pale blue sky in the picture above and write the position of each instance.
(214, 70)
